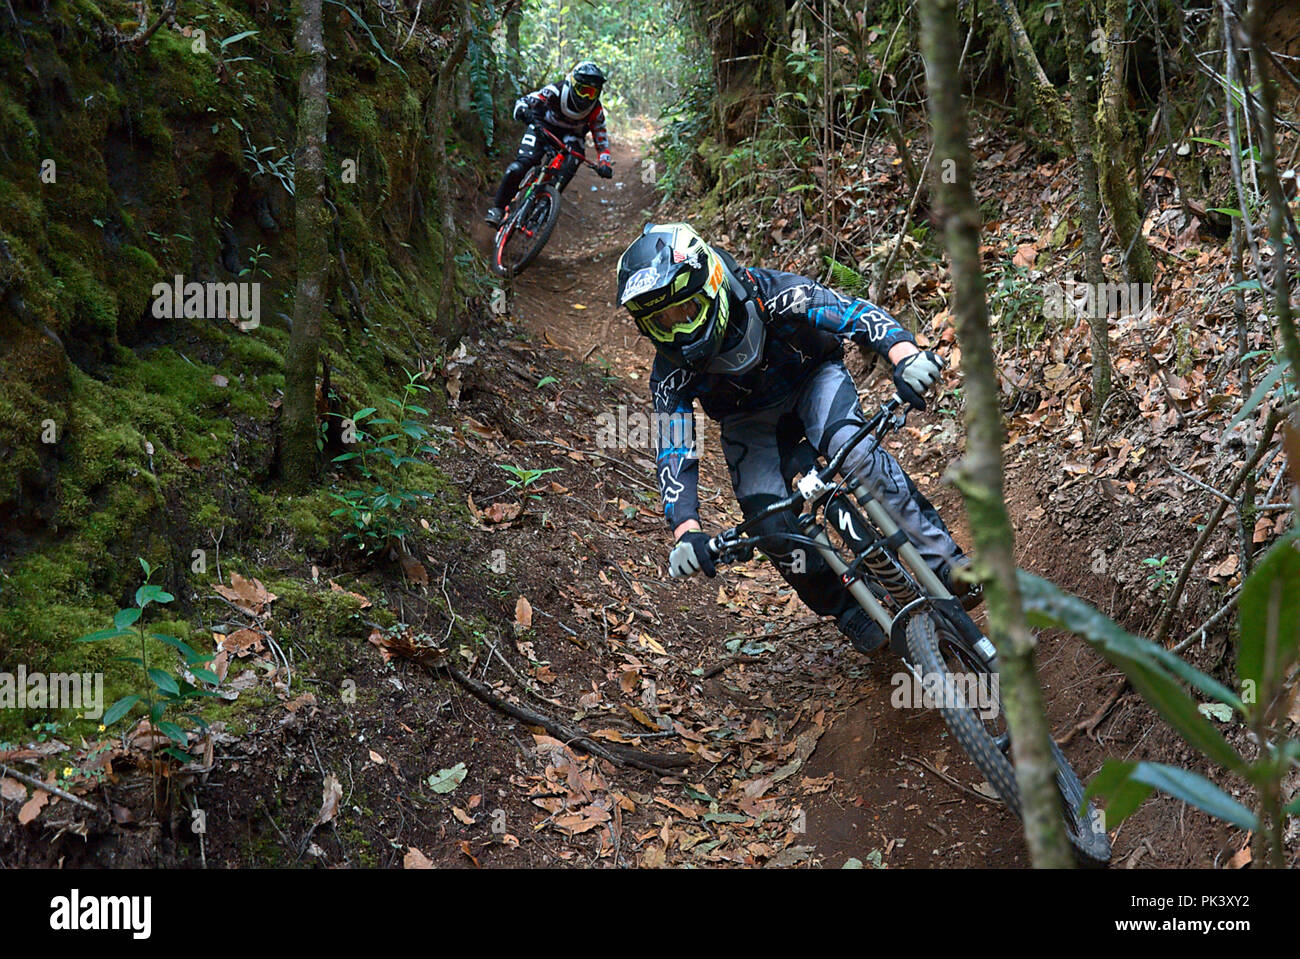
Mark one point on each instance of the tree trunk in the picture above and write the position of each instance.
(1271, 799)
(312, 228)
(1081, 128)
(1046, 99)
(980, 475)
(1113, 154)
(445, 217)
(1277, 202)
(514, 55)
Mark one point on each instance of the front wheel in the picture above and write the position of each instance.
(526, 231)
(968, 701)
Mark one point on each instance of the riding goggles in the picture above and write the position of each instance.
(586, 91)
(672, 321)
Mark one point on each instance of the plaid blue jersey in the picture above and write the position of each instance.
(805, 324)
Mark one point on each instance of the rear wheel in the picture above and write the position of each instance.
(526, 231)
(937, 651)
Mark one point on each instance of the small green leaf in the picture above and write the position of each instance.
(174, 733)
(236, 38)
(725, 817)
(208, 676)
(164, 681)
(119, 709)
(99, 635)
(149, 593)
(446, 780)
(185, 648)
(125, 617)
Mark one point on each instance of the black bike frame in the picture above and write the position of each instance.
(818, 489)
(539, 173)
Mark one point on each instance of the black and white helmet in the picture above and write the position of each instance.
(580, 90)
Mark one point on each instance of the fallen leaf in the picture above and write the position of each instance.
(446, 780)
(1226, 568)
(639, 715)
(499, 513)
(414, 859)
(240, 643)
(12, 790)
(462, 815)
(413, 569)
(298, 702)
(523, 614)
(32, 808)
(365, 603)
(329, 806)
(465, 848)
(248, 595)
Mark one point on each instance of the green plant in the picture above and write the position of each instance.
(255, 257)
(1016, 304)
(376, 511)
(1267, 650)
(1161, 576)
(845, 277)
(164, 690)
(524, 478)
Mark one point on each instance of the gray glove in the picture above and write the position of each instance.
(691, 555)
(915, 374)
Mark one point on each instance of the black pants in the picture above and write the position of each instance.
(766, 448)
(533, 149)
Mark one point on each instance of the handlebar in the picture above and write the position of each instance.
(729, 545)
(565, 148)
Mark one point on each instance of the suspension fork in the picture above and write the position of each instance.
(939, 596)
(854, 584)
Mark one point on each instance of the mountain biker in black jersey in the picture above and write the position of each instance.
(760, 349)
(570, 109)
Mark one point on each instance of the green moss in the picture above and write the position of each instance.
(152, 455)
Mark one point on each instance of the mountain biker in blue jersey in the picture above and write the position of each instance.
(761, 352)
(570, 109)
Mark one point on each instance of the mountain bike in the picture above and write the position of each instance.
(531, 217)
(940, 644)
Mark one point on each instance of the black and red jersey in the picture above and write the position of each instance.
(547, 104)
